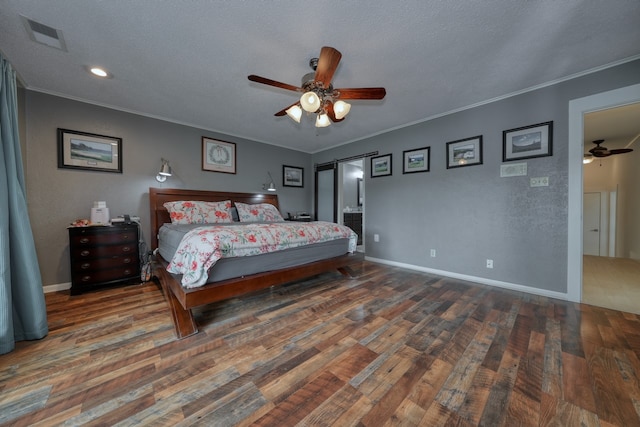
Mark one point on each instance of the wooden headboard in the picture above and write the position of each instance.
(159, 196)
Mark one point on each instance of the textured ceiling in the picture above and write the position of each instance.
(188, 61)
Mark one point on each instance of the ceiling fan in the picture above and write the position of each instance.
(318, 94)
(599, 151)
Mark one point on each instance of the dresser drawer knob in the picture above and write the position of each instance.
(126, 249)
(84, 240)
(85, 253)
(125, 237)
(85, 278)
(127, 272)
(126, 261)
(85, 266)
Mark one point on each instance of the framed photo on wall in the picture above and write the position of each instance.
(292, 176)
(89, 151)
(527, 142)
(416, 160)
(464, 152)
(218, 156)
(381, 165)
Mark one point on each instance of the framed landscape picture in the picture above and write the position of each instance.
(292, 176)
(89, 151)
(381, 165)
(416, 160)
(464, 152)
(527, 142)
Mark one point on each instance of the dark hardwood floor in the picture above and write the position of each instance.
(391, 347)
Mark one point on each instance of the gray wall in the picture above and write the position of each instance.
(470, 214)
(58, 196)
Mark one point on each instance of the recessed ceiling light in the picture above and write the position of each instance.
(100, 72)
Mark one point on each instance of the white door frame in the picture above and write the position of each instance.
(577, 109)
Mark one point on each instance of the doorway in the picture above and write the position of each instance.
(340, 194)
(582, 269)
(351, 198)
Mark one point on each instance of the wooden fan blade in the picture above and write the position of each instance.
(270, 82)
(283, 112)
(327, 64)
(331, 113)
(362, 93)
(620, 150)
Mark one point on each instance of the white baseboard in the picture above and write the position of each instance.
(481, 280)
(57, 287)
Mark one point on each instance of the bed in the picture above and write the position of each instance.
(182, 299)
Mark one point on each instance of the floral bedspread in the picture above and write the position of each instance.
(201, 247)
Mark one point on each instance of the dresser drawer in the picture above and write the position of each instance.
(104, 276)
(103, 251)
(85, 238)
(96, 264)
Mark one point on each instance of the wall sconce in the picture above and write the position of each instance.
(270, 186)
(165, 171)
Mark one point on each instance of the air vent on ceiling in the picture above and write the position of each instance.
(44, 34)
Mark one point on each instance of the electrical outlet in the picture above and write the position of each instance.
(376, 237)
(433, 253)
(489, 263)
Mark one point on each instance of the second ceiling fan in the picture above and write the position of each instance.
(318, 93)
(600, 151)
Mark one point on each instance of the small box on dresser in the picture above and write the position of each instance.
(103, 255)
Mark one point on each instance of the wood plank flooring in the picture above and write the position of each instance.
(391, 347)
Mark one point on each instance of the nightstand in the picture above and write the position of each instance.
(295, 219)
(103, 255)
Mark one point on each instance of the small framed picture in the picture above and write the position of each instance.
(527, 142)
(381, 165)
(416, 160)
(464, 152)
(89, 151)
(292, 176)
(218, 156)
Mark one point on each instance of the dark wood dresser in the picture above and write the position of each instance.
(353, 220)
(103, 256)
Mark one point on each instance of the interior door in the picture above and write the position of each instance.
(326, 206)
(591, 224)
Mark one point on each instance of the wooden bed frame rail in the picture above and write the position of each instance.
(181, 300)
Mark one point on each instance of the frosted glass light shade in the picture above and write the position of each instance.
(165, 171)
(295, 112)
(341, 109)
(322, 121)
(310, 102)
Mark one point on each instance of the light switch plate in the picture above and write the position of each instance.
(541, 181)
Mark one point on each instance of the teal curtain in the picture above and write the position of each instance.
(23, 314)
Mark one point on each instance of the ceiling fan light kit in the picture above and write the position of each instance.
(341, 109)
(295, 112)
(319, 97)
(322, 120)
(310, 102)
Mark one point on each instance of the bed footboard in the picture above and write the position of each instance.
(181, 299)
(183, 320)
